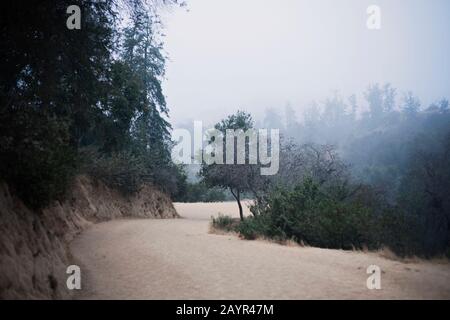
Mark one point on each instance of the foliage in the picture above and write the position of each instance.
(238, 178)
(35, 155)
(424, 192)
(63, 91)
(200, 192)
(225, 223)
(315, 200)
(310, 214)
(315, 216)
(398, 147)
(122, 171)
(254, 226)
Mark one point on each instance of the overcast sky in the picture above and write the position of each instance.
(259, 54)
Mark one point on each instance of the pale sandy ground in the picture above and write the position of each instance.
(179, 259)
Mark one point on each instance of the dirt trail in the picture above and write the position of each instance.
(179, 259)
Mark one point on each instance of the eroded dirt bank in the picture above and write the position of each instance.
(33, 245)
(179, 259)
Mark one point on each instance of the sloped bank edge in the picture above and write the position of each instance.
(34, 251)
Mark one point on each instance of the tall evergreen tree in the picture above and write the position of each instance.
(143, 53)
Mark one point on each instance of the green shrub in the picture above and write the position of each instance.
(37, 159)
(316, 216)
(200, 192)
(224, 223)
(309, 214)
(122, 171)
(254, 226)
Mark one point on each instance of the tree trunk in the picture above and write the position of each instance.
(237, 196)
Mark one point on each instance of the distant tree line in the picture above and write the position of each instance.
(397, 146)
(200, 192)
(353, 179)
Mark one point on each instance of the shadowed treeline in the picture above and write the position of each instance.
(82, 101)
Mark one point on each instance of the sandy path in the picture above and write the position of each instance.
(179, 259)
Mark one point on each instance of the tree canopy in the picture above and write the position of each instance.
(63, 91)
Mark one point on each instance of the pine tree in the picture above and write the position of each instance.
(142, 53)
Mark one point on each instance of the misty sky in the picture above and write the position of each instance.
(259, 54)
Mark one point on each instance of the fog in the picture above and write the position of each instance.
(359, 158)
(375, 102)
(254, 54)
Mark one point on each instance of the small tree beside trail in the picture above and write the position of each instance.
(239, 176)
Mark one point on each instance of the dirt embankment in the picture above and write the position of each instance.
(34, 253)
